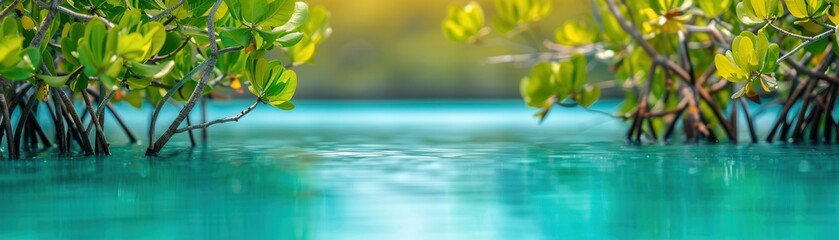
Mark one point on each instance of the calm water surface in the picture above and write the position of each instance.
(422, 170)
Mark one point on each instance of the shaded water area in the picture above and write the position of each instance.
(422, 170)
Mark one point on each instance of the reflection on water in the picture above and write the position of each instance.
(424, 171)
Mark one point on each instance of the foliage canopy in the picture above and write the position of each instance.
(159, 51)
(678, 61)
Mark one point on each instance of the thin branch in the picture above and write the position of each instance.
(159, 85)
(168, 55)
(8, 9)
(791, 34)
(167, 11)
(229, 50)
(682, 104)
(825, 25)
(71, 13)
(528, 58)
(807, 71)
(219, 121)
(573, 105)
(204, 132)
(805, 44)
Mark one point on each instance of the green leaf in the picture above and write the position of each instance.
(265, 39)
(773, 53)
(317, 24)
(154, 33)
(294, 21)
(153, 71)
(232, 63)
(257, 75)
(18, 64)
(78, 84)
(31, 58)
(92, 48)
(714, 8)
(290, 39)
(10, 27)
(254, 12)
(750, 55)
(753, 12)
(538, 89)
(271, 82)
(577, 33)
(134, 98)
(818, 47)
(588, 96)
(11, 48)
(302, 52)
(138, 83)
(580, 67)
(132, 46)
(743, 49)
(54, 81)
(464, 24)
(69, 43)
(287, 106)
(236, 37)
(282, 91)
(130, 19)
(803, 9)
(726, 69)
(285, 12)
(832, 12)
(200, 8)
(515, 15)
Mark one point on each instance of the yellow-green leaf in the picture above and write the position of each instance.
(464, 24)
(726, 69)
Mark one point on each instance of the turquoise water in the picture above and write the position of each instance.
(422, 170)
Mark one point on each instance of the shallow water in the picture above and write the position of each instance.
(422, 170)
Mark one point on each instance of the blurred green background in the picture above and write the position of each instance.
(394, 49)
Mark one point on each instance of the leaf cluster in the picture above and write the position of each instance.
(141, 49)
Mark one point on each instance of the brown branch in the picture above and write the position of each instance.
(102, 142)
(79, 127)
(24, 117)
(749, 120)
(7, 125)
(807, 71)
(667, 63)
